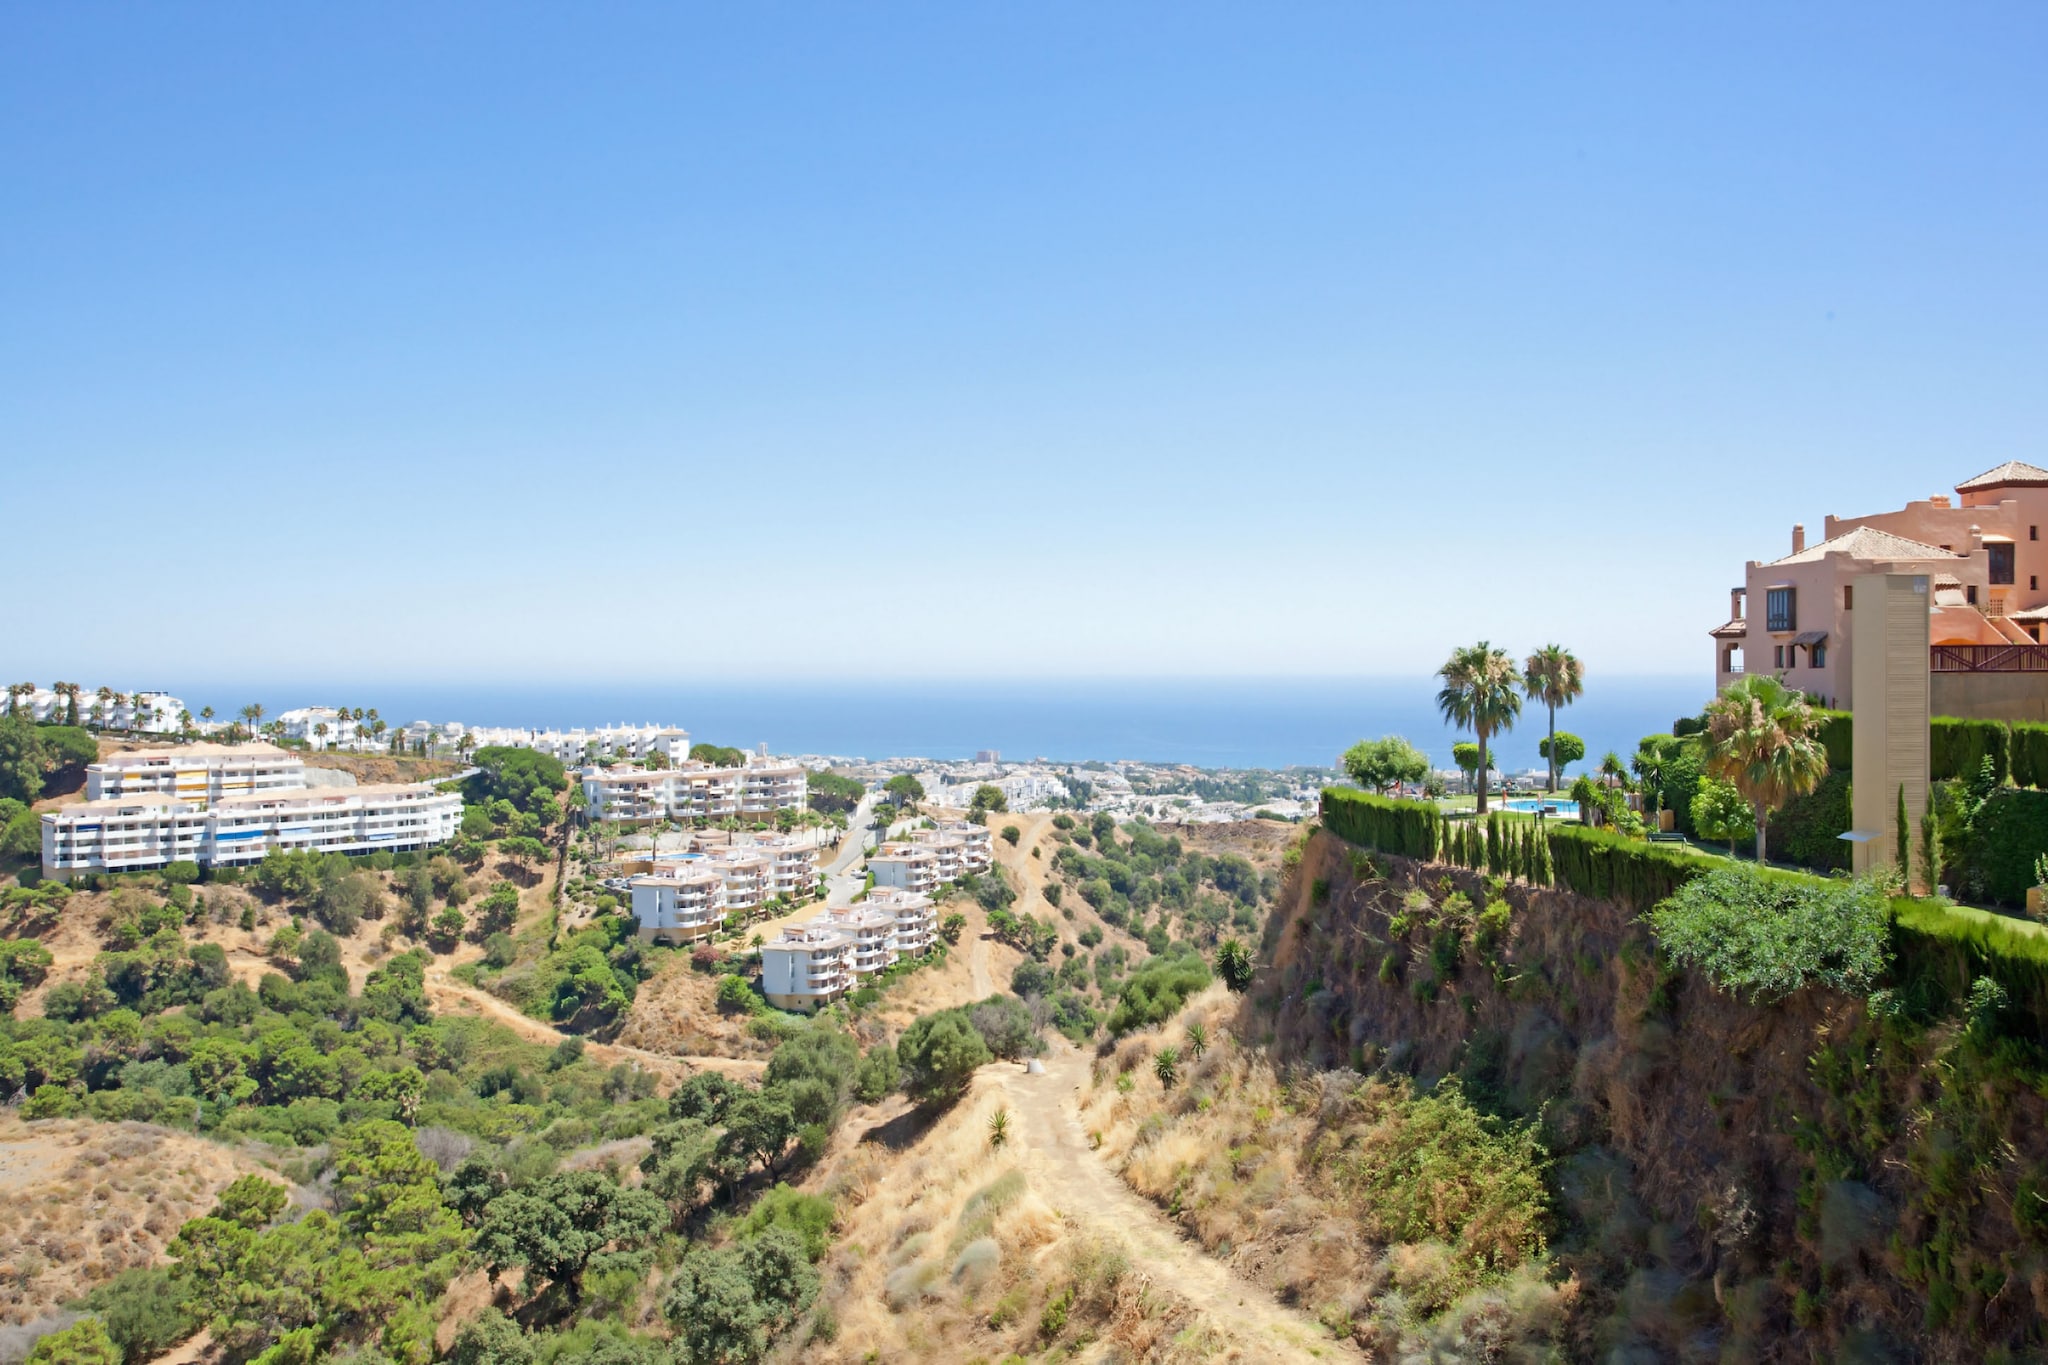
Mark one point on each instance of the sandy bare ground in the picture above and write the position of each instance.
(1060, 1164)
(81, 1201)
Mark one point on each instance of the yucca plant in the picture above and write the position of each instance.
(998, 1129)
(1166, 1066)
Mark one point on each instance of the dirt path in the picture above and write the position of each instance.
(1087, 1191)
(445, 993)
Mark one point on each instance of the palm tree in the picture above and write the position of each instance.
(99, 706)
(320, 732)
(1759, 737)
(1554, 676)
(206, 714)
(1613, 769)
(1479, 694)
(15, 692)
(185, 724)
(69, 691)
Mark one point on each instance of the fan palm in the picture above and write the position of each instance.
(1554, 676)
(1759, 738)
(1480, 694)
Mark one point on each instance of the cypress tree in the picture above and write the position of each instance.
(1905, 854)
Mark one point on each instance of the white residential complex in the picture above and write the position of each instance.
(813, 964)
(196, 772)
(931, 857)
(228, 805)
(580, 746)
(691, 790)
(682, 900)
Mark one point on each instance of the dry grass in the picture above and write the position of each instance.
(946, 1252)
(82, 1201)
(1252, 1162)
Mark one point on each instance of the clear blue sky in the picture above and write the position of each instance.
(417, 341)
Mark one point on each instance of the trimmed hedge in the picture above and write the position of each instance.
(1808, 829)
(2029, 754)
(1602, 865)
(1958, 748)
(2011, 831)
(1937, 951)
(1837, 733)
(1413, 829)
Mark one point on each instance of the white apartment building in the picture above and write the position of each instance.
(906, 867)
(683, 904)
(811, 965)
(149, 829)
(873, 931)
(196, 772)
(693, 791)
(963, 846)
(322, 727)
(685, 899)
(807, 967)
(916, 918)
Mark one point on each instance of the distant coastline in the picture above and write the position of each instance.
(1253, 723)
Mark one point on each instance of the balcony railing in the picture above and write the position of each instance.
(1988, 659)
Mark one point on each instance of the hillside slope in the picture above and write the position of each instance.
(1728, 1181)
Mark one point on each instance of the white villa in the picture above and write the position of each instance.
(685, 899)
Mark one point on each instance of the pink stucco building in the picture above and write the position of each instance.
(1985, 563)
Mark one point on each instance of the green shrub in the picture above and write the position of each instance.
(1764, 936)
(1156, 992)
(2009, 832)
(939, 1054)
(1433, 1168)
(2029, 747)
(1958, 748)
(1807, 829)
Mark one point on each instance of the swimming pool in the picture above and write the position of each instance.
(1558, 807)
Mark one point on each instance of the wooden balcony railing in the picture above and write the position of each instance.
(1988, 659)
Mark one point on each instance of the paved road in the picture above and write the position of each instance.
(845, 875)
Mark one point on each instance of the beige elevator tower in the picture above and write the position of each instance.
(1889, 670)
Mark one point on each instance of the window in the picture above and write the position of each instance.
(1970, 594)
(1849, 597)
(2033, 581)
(2001, 561)
(1817, 657)
(1781, 610)
(2033, 533)
(1778, 656)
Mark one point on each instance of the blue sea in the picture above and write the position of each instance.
(1253, 723)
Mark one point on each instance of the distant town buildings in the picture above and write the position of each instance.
(148, 713)
(229, 805)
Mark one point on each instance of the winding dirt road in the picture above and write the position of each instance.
(1084, 1189)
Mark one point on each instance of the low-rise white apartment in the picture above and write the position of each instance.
(811, 965)
(916, 918)
(149, 829)
(807, 967)
(694, 791)
(196, 772)
(906, 866)
(150, 713)
(679, 905)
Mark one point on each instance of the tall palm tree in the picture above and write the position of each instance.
(1480, 694)
(1760, 738)
(185, 724)
(15, 692)
(1554, 676)
(68, 691)
(206, 714)
(1613, 769)
(320, 732)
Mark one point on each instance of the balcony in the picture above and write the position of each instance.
(1988, 659)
